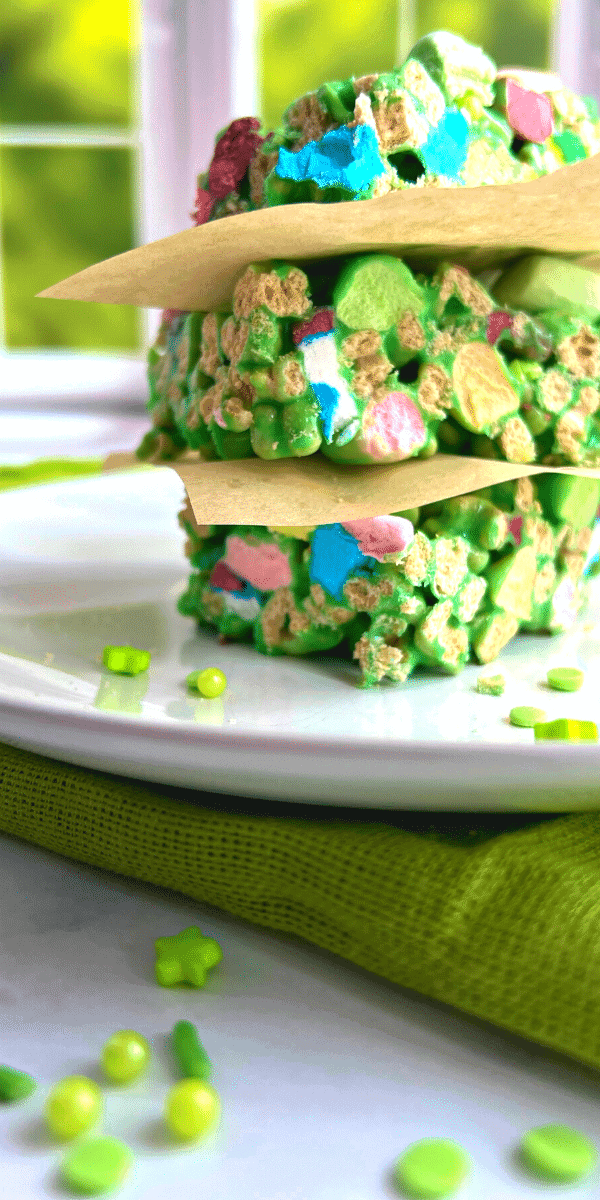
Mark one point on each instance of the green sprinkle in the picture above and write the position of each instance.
(526, 717)
(97, 1166)
(210, 682)
(125, 660)
(15, 1085)
(558, 1153)
(565, 679)
(191, 1057)
(432, 1168)
(566, 730)
(491, 685)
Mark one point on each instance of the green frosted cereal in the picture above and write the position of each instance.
(431, 1169)
(565, 679)
(558, 1153)
(526, 717)
(15, 1085)
(97, 1166)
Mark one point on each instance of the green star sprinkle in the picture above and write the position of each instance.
(558, 1153)
(431, 1169)
(186, 958)
(565, 679)
(125, 660)
(15, 1085)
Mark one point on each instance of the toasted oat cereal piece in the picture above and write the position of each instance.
(491, 685)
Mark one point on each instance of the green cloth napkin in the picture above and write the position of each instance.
(497, 916)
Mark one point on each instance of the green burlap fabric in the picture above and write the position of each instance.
(498, 917)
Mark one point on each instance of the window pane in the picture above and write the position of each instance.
(66, 62)
(304, 42)
(517, 38)
(62, 209)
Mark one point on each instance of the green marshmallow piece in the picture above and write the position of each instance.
(558, 1153)
(526, 717)
(125, 660)
(540, 282)
(432, 1168)
(456, 66)
(570, 145)
(97, 1166)
(591, 106)
(565, 679)
(15, 1085)
(569, 498)
(338, 98)
(190, 1055)
(373, 292)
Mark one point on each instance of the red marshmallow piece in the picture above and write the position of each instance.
(232, 156)
(222, 577)
(322, 322)
(497, 322)
(529, 114)
(204, 207)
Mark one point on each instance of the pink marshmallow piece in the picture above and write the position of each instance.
(265, 566)
(528, 113)
(398, 423)
(378, 536)
(496, 323)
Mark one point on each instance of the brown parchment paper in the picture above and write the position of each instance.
(316, 491)
(478, 226)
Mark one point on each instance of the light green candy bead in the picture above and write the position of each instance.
(192, 1107)
(210, 683)
(73, 1106)
(558, 1153)
(96, 1166)
(431, 1169)
(125, 1055)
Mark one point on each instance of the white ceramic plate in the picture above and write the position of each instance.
(100, 561)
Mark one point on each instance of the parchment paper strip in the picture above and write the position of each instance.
(316, 491)
(479, 226)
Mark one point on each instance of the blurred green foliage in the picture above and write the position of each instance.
(304, 42)
(64, 208)
(70, 62)
(65, 62)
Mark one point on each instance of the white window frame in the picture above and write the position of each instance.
(196, 70)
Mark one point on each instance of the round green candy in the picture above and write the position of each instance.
(15, 1085)
(192, 1107)
(558, 1153)
(210, 682)
(125, 1055)
(565, 679)
(431, 1169)
(73, 1106)
(526, 717)
(97, 1166)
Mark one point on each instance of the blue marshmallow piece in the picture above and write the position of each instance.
(334, 555)
(445, 151)
(343, 158)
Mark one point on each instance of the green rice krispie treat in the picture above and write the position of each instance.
(447, 116)
(433, 587)
(369, 363)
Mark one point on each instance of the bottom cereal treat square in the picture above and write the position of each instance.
(432, 587)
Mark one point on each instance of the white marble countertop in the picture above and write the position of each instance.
(325, 1073)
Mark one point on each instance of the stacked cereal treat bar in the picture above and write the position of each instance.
(365, 361)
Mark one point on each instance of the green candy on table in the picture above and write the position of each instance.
(97, 1166)
(125, 1055)
(431, 1169)
(566, 730)
(565, 679)
(558, 1153)
(192, 1108)
(73, 1105)
(125, 660)
(526, 717)
(187, 957)
(190, 1055)
(15, 1085)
